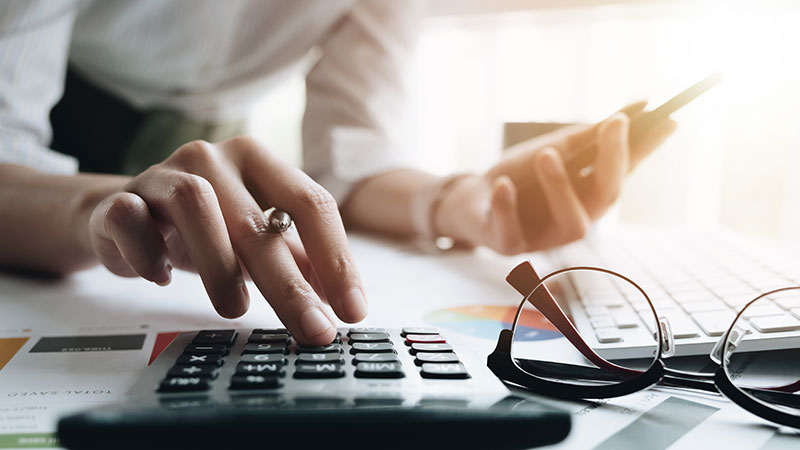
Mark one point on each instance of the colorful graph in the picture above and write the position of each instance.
(486, 321)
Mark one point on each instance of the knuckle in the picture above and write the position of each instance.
(195, 153)
(316, 199)
(252, 228)
(190, 189)
(292, 294)
(122, 208)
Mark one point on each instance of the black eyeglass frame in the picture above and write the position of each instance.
(501, 363)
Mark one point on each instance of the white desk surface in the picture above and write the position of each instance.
(403, 286)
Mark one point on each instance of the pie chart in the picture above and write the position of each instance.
(486, 321)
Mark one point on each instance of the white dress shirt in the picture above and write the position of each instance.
(212, 59)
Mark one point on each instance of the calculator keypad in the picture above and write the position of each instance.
(269, 356)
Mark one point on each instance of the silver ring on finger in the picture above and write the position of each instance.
(278, 220)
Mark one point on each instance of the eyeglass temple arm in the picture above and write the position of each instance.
(524, 279)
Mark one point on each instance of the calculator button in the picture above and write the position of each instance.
(255, 382)
(224, 337)
(425, 339)
(438, 358)
(369, 337)
(192, 371)
(272, 331)
(372, 347)
(265, 348)
(184, 384)
(430, 370)
(272, 368)
(375, 357)
(435, 348)
(196, 349)
(327, 370)
(320, 358)
(330, 348)
(365, 330)
(200, 360)
(268, 338)
(263, 358)
(379, 370)
(418, 330)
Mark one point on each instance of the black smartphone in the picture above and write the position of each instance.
(579, 164)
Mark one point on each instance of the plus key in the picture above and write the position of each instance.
(425, 339)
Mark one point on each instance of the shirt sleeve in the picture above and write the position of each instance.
(34, 45)
(355, 102)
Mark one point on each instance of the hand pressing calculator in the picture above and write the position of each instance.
(371, 387)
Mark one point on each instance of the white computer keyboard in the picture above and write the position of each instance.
(699, 280)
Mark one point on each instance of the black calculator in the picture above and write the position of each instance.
(390, 388)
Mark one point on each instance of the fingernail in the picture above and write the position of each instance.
(355, 305)
(549, 162)
(314, 322)
(164, 277)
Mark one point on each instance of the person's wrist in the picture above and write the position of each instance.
(448, 215)
(85, 204)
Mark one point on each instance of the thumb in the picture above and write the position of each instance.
(505, 228)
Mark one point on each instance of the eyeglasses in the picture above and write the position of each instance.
(533, 354)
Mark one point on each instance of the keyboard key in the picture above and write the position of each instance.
(263, 358)
(379, 370)
(193, 371)
(265, 348)
(330, 348)
(365, 330)
(224, 337)
(375, 357)
(774, 324)
(795, 312)
(184, 384)
(704, 306)
(425, 339)
(608, 335)
(438, 358)
(451, 371)
(369, 337)
(200, 360)
(760, 310)
(372, 347)
(272, 368)
(714, 323)
(601, 321)
(254, 382)
(626, 320)
(418, 330)
(787, 302)
(596, 310)
(436, 348)
(683, 328)
(320, 358)
(269, 338)
(195, 349)
(328, 370)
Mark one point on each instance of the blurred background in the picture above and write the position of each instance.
(481, 64)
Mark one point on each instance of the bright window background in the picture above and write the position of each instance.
(734, 158)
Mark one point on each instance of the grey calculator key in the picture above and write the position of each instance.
(379, 370)
(372, 347)
(326, 370)
(375, 357)
(267, 368)
(437, 358)
(271, 331)
(435, 348)
(184, 384)
(364, 330)
(452, 371)
(320, 358)
(193, 371)
(200, 360)
(369, 337)
(330, 348)
(263, 358)
(265, 348)
(203, 349)
(255, 382)
(268, 338)
(418, 330)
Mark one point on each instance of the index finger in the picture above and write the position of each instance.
(318, 222)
